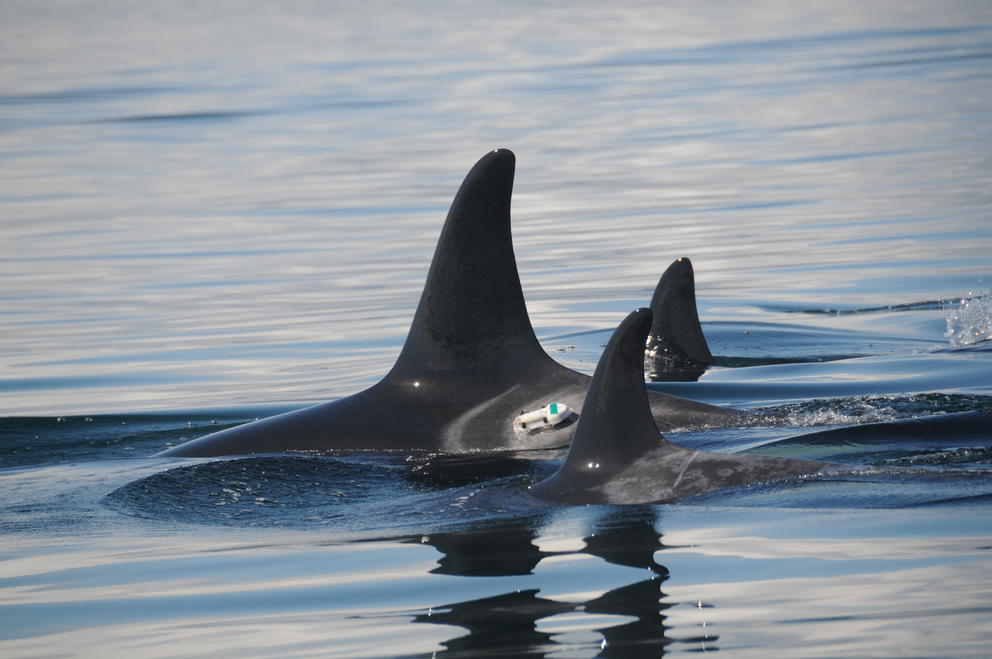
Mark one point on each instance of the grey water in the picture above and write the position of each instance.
(210, 213)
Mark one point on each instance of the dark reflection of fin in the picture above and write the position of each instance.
(676, 348)
(644, 636)
(630, 540)
(500, 626)
(506, 624)
(490, 552)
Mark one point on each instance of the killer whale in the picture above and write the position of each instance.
(618, 456)
(470, 365)
(676, 346)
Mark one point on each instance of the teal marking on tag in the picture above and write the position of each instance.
(553, 407)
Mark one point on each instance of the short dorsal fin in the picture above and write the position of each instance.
(617, 454)
(472, 309)
(616, 425)
(676, 332)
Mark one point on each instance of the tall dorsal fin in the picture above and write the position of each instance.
(616, 425)
(472, 309)
(676, 331)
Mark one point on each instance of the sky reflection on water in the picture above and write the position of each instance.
(270, 194)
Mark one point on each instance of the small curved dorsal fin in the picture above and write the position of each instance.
(616, 425)
(676, 331)
(472, 309)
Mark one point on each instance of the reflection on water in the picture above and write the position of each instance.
(590, 580)
(511, 622)
(884, 614)
(490, 552)
(215, 207)
(629, 539)
(503, 624)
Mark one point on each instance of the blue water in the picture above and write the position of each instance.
(213, 213)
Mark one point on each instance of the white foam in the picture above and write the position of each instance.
(971, 321)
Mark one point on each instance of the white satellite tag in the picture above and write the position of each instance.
(548, 416)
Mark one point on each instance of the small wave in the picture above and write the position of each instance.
(941, 441)
(250, 492)
(743, 362)
(49, 440)
(864, 489)
(356, 494)
(955, 457)
(909, 306)
(970, 322)
(271, 491)
(872, 408)
(966, 499)
(182, 116)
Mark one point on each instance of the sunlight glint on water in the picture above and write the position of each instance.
(970, 322)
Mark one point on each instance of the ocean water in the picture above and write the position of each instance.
(210, 213)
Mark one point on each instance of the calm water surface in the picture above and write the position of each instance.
(213, 213)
